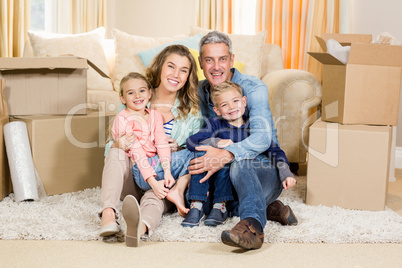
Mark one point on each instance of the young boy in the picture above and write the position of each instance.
(228, 127)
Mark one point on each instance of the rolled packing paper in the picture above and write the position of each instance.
(20, 161)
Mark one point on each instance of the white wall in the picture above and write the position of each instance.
(374, 17)
(155, 18)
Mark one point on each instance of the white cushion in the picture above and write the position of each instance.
(246, 48)
(87, 45)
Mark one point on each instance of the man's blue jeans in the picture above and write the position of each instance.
(221, 188)
(257, 185)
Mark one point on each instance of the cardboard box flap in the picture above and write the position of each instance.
(325, 58)
(43, 63)
(375, 54)
(97, 69)
(343, 39)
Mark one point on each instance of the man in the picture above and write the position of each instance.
(255, 180)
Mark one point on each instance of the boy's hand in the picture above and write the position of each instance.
(288, 183)
(158, 187)
(169, 180)
(224, 142)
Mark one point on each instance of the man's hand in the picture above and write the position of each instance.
(124, 142)
(288, 183)
(211, 162)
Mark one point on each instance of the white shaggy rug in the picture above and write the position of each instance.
(73, 216)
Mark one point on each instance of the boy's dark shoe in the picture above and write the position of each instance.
(194, 217)
(216, 217)
(277, 211)
(243, 235)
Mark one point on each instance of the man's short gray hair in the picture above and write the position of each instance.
(216, 37)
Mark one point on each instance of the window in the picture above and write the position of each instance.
(44, 15)
(245, 11)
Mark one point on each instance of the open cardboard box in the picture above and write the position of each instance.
(348, 165)
(45, 85)
(366, 90)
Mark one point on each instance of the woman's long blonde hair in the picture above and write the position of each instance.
(188, 96)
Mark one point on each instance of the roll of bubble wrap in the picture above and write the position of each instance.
(20, 161)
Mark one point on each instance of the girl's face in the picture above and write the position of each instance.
(136, 94)
(175, 71)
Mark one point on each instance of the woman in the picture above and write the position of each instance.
(173, 76)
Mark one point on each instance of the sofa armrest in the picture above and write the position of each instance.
(292, 93)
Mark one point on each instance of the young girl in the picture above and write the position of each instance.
(149, 137)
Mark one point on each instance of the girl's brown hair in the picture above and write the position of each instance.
(188, 96)
(132, 75)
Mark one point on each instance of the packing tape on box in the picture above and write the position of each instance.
(20, 161)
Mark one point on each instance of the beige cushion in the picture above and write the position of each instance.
(247, 49)
(127, 47)
(85, 45)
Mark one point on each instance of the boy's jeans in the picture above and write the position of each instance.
(178, 167)
(221, 190)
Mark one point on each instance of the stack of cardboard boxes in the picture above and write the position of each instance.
(67, 142)
(349, 147)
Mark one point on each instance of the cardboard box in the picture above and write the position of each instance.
(5, 178)
(348, 165)
(67, 151)
(365, 90)
(45, 86)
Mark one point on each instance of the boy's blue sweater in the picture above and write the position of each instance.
(217, 127)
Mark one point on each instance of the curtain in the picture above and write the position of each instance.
(14, 23)
(293, 25)
(78, 16)
(216, 15)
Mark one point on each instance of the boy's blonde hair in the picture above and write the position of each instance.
(223, 87)
(132, 75)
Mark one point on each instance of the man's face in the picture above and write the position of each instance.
(216, 63)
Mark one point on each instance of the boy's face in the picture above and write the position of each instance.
(230, 105)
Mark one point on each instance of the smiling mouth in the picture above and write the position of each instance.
(138, 101)
(173, 81)
(216, 74)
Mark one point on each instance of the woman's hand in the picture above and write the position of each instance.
(124, 142)
(174, 147)
(158, 187)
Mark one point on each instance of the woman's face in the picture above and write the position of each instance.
(175, 72)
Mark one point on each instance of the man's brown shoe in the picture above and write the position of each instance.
(243, 235)
(277, 211)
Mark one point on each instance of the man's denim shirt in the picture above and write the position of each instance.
(262, 128)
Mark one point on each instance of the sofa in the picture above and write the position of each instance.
(292, 93)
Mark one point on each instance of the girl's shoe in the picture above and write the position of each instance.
(132, 216)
